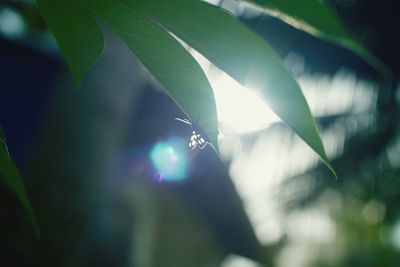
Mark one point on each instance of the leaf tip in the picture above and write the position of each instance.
(329, 166)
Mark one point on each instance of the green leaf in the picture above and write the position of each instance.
(3, 141)
(76, 31)
(169, 62)
(316, 18)
(242, 54)
(12, 177)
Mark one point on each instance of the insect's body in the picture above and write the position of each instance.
(196, 140)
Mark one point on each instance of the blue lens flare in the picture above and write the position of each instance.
(169, 158)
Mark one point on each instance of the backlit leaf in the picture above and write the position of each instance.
(241, 53)
(170, 63)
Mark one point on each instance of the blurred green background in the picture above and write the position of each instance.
(96, 161)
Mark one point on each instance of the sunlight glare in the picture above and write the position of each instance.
(170, 159)
(238, 261)
(240, 109)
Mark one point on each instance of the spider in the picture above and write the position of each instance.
(196, 140)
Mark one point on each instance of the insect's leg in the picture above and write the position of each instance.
(186, 121)
(193, 144)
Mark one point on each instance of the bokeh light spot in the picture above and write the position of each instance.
(395, 235)
(11, 24)
(169, 158)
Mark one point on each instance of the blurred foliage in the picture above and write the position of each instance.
(202, 221)
(367, 190)
(317, 18)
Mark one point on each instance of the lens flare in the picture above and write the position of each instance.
(169, 158)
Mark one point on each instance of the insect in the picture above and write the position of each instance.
(196, 140)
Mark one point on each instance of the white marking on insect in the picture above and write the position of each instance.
(196, 140)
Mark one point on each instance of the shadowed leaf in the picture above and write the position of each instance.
(76, 31)
(9, 172)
